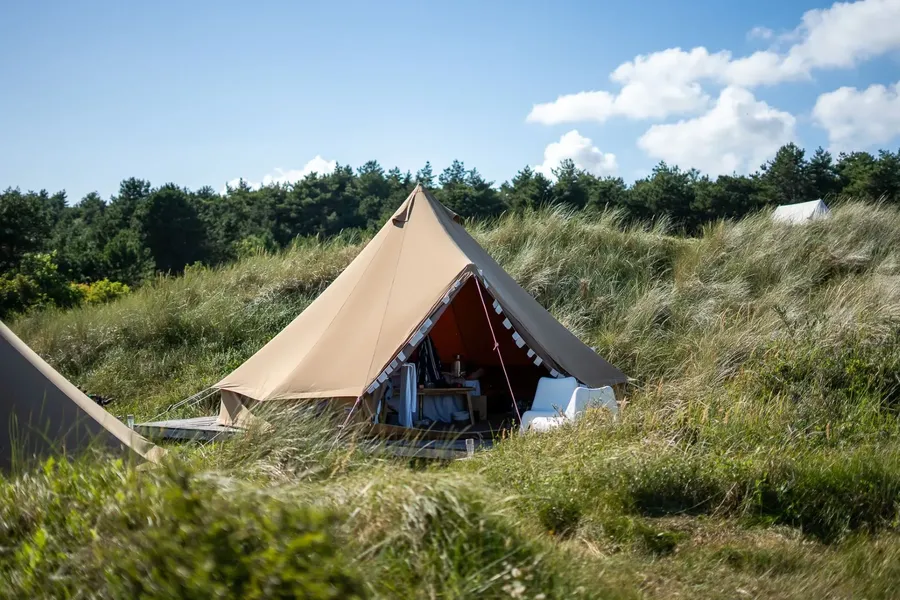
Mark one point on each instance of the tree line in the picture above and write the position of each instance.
(47, 245)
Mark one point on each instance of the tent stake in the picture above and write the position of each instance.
(497, 348)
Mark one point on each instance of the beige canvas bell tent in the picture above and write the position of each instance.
(422, 277)
(43, 413)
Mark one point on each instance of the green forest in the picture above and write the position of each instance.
(55, 252)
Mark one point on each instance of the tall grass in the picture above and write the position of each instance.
(297, 513)
(755, 454)
(257, 518)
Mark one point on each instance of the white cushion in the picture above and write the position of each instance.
(554, 394)
(546, 423)
(535, 419)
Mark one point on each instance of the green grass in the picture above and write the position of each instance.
(756, 455)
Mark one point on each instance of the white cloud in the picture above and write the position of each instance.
(845, 35)
(760, 68)
(280, 176)
(760, 33)
(859, 118)
(581, 151)
(738, 134)
(583, 106)
(668, 82)
(839, 37)
(653, 86)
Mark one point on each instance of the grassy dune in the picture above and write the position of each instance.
(757, 453)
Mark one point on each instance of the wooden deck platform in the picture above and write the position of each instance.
(436, 449)
(205, 429)
(202, 429)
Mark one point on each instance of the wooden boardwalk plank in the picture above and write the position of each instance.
(198, 428)
(206, 429)
(439, 449)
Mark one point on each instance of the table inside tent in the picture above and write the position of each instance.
(455, 391)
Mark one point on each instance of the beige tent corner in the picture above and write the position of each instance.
(422, 268)
(41, 412)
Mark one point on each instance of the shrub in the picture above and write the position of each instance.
(101, 529)
(254, 245)
(206, 540)
(101, 292)
(36, 283)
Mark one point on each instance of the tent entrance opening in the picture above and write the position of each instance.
(477, 399)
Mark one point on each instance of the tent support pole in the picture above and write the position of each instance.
(487, 315)
(350, 414)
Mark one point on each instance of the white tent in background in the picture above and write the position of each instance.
(801, 212)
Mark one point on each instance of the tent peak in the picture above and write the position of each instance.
(404, 213)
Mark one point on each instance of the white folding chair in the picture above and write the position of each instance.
(559, 400)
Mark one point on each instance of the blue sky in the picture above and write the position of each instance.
(200, 93)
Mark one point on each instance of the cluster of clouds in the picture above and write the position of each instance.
(701, 109)
(317, 165)
(721, 126)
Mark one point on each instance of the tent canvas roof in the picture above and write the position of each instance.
(800, 212)
(42, 412)
(346, 338)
